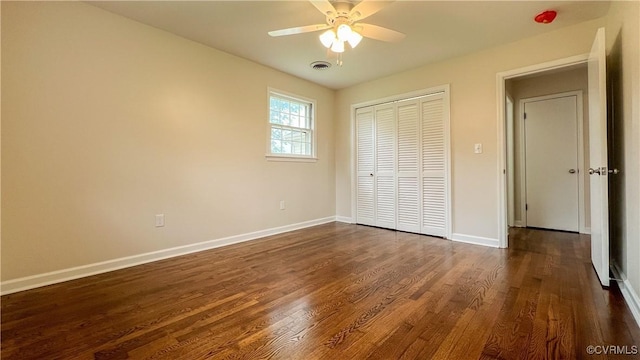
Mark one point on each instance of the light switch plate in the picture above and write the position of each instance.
(159, 220)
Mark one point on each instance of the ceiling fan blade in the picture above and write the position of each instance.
(378, 32)
(299, 30)
(367, 8)
(324, 6)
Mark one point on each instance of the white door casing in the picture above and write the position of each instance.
(509, 127)
(551, 162)
(598, 168)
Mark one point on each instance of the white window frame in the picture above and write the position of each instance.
(312, 129)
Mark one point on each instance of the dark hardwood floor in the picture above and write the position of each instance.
(334, 291)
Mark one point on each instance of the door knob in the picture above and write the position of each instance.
(371, 174)
(614, 171)
(594, 171)
(572, 171)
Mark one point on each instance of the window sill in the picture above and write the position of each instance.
(272, 157)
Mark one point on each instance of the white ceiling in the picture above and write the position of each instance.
(436, 30)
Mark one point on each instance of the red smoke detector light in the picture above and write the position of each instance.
(546, 17)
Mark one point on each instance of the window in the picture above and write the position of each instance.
(290, 127)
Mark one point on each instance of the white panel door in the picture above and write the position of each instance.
(598, 158)
(434, 167)
(408, 175)
(385, 166)
(551, 154)
(365, 166)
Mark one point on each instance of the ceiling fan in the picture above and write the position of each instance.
(342, 24)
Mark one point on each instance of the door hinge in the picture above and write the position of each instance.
(525, 116)
(526, 207)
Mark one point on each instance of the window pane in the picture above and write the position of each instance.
(276, 147)
(305, 119)
(285, 119)
(286, 135)
(303, 136)
(276, 134)
(274, 117)
(296, 108)
(295, 121)
(284, 106)
(286, 147)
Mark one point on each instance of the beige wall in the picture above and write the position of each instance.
(473, 118)
(623, 38)
(107, 122)
(541, 85)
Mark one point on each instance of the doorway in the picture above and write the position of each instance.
(519, 84)
(541, 93)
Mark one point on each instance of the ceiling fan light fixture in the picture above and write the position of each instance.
(354, 39)
(342, 25)
(344, 32)
(328, 38)
(337, 47)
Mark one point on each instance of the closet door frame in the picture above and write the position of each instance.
(445, 90)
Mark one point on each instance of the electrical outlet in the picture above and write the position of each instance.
(281, 204)
(477, 148)
(159, 220)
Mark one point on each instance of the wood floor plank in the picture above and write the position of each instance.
(334, 291)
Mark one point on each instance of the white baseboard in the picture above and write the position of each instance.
(518, 223)
(344, 219)
(585, 230)
(54, 277)
(476, 240)
(629, 294)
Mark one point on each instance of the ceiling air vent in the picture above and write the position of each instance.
(320, 65)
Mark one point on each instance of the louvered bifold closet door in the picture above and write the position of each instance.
(408, 175)
(365, 167)
(385, 174)
(434, 214)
